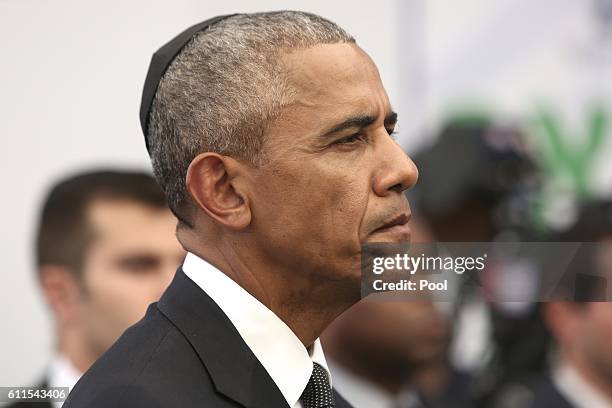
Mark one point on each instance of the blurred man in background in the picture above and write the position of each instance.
(488, 196)
(389, 354)
(581, 375)
(106, 249)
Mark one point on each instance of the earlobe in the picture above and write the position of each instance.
(213, 182)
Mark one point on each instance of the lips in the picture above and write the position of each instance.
(399, 224)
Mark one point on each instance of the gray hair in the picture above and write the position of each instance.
(223, 88)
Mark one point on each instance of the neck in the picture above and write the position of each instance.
(306, 305)
(71, 344)
(591, 375)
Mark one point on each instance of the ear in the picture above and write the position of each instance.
(62, 293)
(215, 184)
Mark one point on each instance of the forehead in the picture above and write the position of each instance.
(331, 82)
(130, 225)
(332, 69)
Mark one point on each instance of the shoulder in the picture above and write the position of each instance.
(44, 404)
(546, 395)
(152, 363)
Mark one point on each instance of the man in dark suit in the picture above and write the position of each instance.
(581, 375)
(547, 395)
(270, 134)
(105, 250)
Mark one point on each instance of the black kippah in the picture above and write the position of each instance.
(160, 62)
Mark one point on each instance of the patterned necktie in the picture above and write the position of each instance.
(318, 392)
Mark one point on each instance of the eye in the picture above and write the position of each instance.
(354, 138)
(138, 265)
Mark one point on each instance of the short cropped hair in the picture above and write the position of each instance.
(222, 90)
(63, 234)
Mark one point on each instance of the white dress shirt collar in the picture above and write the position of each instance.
(277, 348)
(62, 373)
(576, 389)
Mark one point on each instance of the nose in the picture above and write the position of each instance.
(395, 171)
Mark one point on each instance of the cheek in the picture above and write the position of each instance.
(319, 226)
(599, 325)
(318, 205)
(308, 216)
(338, 214)
(118, 300)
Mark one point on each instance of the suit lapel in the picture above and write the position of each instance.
(234, 369)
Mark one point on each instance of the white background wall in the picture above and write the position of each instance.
(71, 75)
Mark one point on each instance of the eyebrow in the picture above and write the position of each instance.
(361, 121)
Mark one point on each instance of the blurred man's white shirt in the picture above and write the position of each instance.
(577, 390)
(62, 373)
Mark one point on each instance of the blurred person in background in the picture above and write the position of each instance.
(106, 249)
(582, 375)
(581, 372)
(394, 354)
(486, 197)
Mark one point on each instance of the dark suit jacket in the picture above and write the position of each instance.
(24, 404)
(546, 395)
(184, 353)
